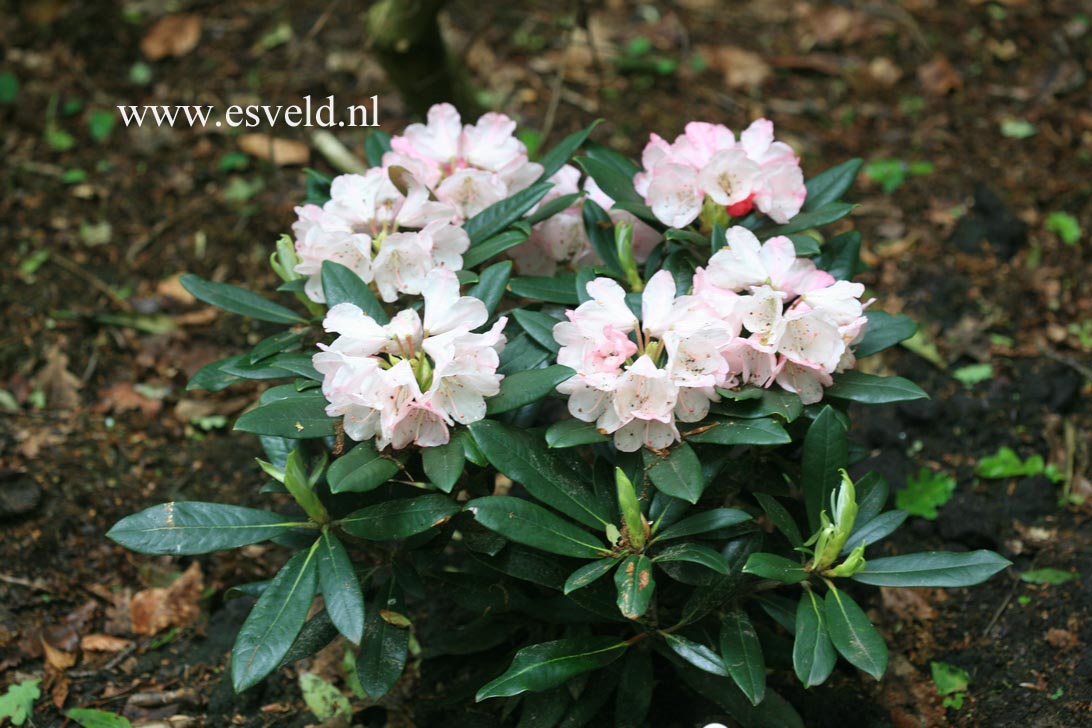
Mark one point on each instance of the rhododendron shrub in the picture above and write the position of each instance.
(545, 420)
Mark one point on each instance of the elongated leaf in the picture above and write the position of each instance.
(933, 568)
(678, 475)
(274, 344)
(710, 520)
(340, 588)
(600, 230)
(520, 354)
(493, 246)
(813, 654)
(841, 256)
(544, 710)
(532, 525)
(828, 213)
(185, 528)
(385, 646)
(853, 635)
(635, 586)
(588, 573)
(275, 621)
(769, 402)
(829, 186)
(805, 244)
(826, 451)
(500, 215)
(543, 666)
(612, 180)
(524, 457)
(556, 158)
(362, 469)
(341, 285)
(870, 389)
(517, 390)
(392, 520)
(874, 530)
(491, 285)
(539, 326)
(547, 210)
(697, 654)
(872, 491)
(377, 143)
(444, 464)
(778, 568)
(694, 553)
(884, 330)
(556, 289)
(239, 300)
(570, 433)
(300, 416)
(634, 696)
(742, 653)
(773, 712)
(725, 431)
(781, 518)
(212, 376)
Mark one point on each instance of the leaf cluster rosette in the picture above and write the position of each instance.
(506, 379)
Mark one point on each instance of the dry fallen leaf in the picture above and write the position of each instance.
(154, 610)
(60, 386)
(909, 604)
(282, 152)
(123, 397)
(103, 643)
(172, 288)
(172, 35)
(56, 658)
(741, 68)
(938, 77)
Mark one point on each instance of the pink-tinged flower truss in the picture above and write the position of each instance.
(707, 162)
(466, 167)
(379, 233)
(407, 382)
(636, 377)
(797, 321)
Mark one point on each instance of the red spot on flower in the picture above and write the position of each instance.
(741, 208)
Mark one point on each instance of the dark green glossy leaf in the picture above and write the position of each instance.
(493, 246)
(884, 330)
(275, 621)
(769, 402)
(555, 289)
(588, 573)
(634, 696)
(212, 376)
(872, 493)
(385, 646)
(781, 518)
(185, 528)
(806, 245)
(742, 432)
(826, 451)
(710, 520)
(556, 158)
(524, 522)
(829, 186)
(841, 256)
(813, 654)
(828, 213)
(553, 207)
(361, 469)
(543, 666)
(340, 588)
(778, 568)
(498, 216)
(870, 389)
(742, 654)
(615, 182)
(694, 553)
(635, 586)
(933, 568)
(377, 143)
(491, 285)
(678, 475)
(517, 390)
(274, 344)
(396, 519)
(600, 230)
(874, 530)
(300, 416)
(698, 655)
(853, 635)
(341, 285)
(539, 326)
(444, 464)
(239, 300)
(570, 433)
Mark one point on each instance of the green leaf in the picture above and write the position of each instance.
(1065, 226)
(769, 402)
(238, 300)
(9, 90)
(524, 457)
(884, 330)
(275, 621)
(678, 475)
(186, 528)
(100, 123)
(1047, 576)
(781, 518)
(742, 653)
(402, 518)
(742, 432)
(532, 525)
(872, 493)
(614, 181)
(870, 389)
(341, 285)
(444, 464)
(853, 635)
(828, 213)
(539, 326)
(362, 469)
(493, 246)
(630, 508)
(696, 654)
(588, 573)
(377, 143)
(300, 416)
(874, 530)
(570, 433)
(973, 374)
(385, 646)
(498, 216)
(556, 158)
(710, 520)
(826, 452)
(556, 289)
(517, 390)
(694, 553)
(634, 696)
(491, 285)
(805, 244)
(635, 586)
(778, 568)
(91, 718)
(932, 568)
(340, 588)
(18, 702)
(829, 186)
(925, 492)
(553, 207)
(324, 699)
(813, 654)
(841, 256)
(949, 678)
(543, 666)
(600, 231)
(275, 344)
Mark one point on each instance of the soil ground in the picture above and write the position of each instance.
(99, 339)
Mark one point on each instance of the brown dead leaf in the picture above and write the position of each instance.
(938, 77)
(909, 604)
(172, 288)
(60, 386)
(154, 610)
(123, 397)
(279, 151)
(172, 35)
(833, 24)
(741, 68)
(188, 410)
(56, 657)
(1063, 639)
(98, 642)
